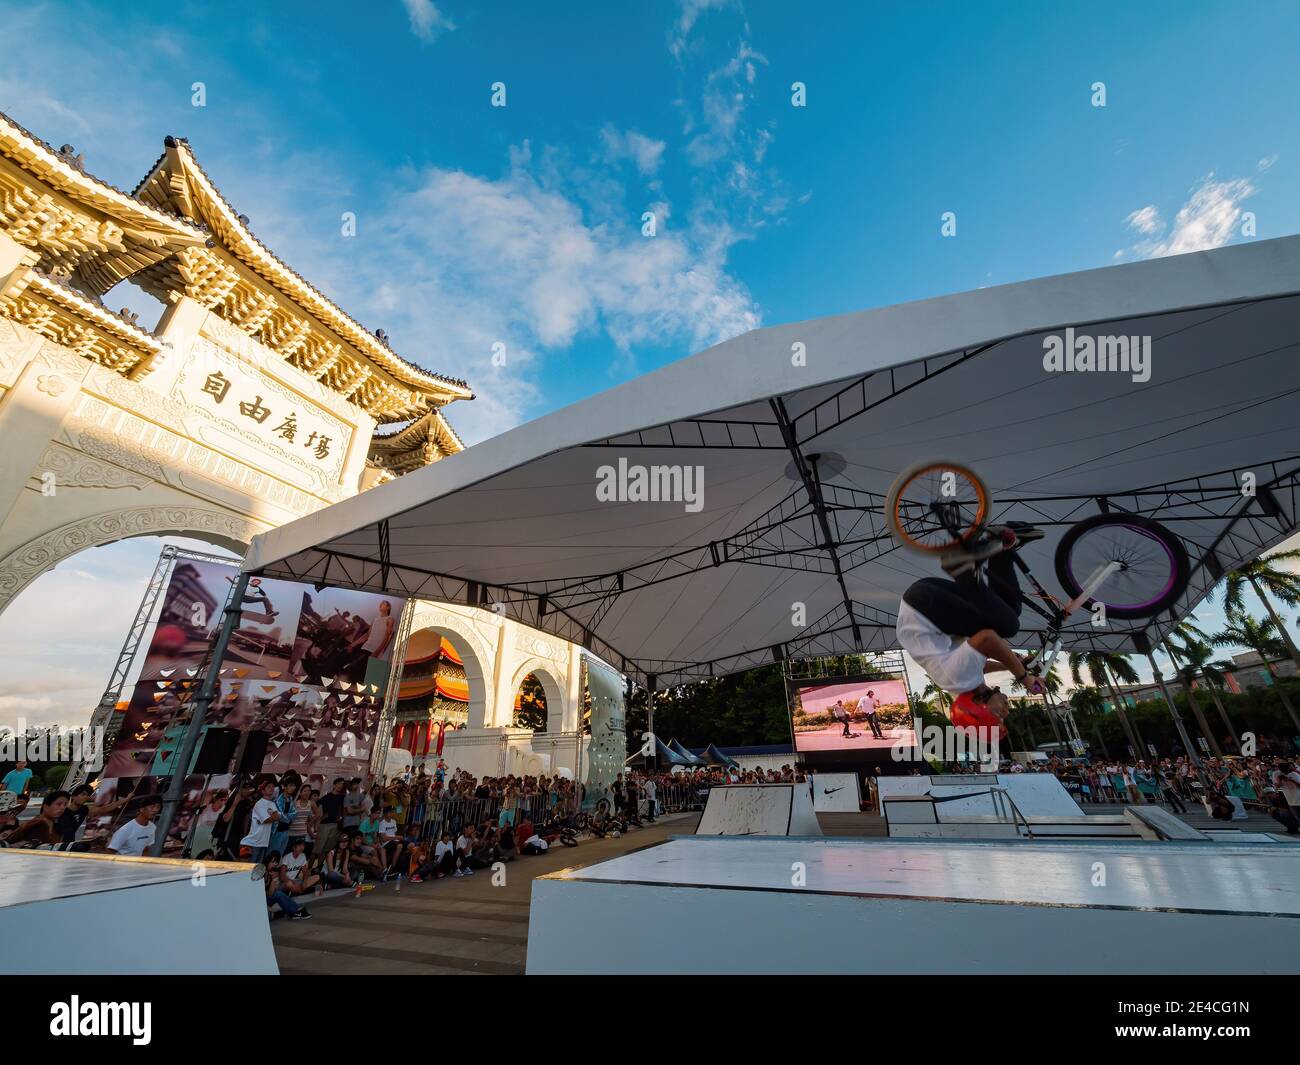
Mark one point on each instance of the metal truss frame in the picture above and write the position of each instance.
(827, 528)
(845, 527)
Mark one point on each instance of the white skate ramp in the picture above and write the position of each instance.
(1035, 794)
(836, 793)
(64, 912)
(759, 810)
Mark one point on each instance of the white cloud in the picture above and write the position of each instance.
(1207, 220)
(691, 10)
(645, 152)
(1266, 163)
(1145, 220)
(468, 261)
(427, 22)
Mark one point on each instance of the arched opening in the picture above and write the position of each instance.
(442, 690)
(61, 635)
(538, 699)
(530, 705)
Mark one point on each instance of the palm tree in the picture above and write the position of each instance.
(1051, 685)
(1106, 666)
(1262, 638)
(933, 691)
(1264, 576)
(1193, 647)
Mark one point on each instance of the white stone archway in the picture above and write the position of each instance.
(498, 653)
(22, 566)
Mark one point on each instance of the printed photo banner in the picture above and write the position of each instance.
(309, 667)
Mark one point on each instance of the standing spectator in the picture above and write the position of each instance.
(650, 794)
(356, 805)
(286, 802)
(305, 814)
(1167, 789)
(17, 779)
(331, 816)
(137, 834)
(262, 823)
(233, 822)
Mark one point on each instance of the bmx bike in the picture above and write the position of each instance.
(1131, 565)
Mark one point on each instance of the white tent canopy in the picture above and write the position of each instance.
(797, 453)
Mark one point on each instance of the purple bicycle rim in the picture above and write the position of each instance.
(1173, 570)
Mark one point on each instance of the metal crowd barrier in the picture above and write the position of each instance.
(451, 815)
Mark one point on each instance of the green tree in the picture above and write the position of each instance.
(1268, 581)
(1193, 647)
(1110, 669)
(1261, 637)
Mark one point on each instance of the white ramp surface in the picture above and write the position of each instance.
(63, 912)
(1035, 794)
(836, 793)
(759, 810)
(885, 906)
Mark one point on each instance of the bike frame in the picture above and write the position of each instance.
(1040, 662)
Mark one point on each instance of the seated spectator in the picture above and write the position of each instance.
(1280, 810)
(534, 844)
(275, 893)
(367, 859)
(295, 876)
(43, 829)
(389, 839)
(337, 869)
(506, 849)
(483, 850)
(442, 863)
(465, 850)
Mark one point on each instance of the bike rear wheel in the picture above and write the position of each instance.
(1154, 565)
(933, 506)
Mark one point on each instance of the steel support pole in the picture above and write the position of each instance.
(1192, 755)
(207, 691)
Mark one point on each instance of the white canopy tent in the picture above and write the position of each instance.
(797, 454)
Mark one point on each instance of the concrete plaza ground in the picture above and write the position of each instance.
(446, 926)
(468, 926)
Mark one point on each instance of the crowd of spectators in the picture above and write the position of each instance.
(1269, 784)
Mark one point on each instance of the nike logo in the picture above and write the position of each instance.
(830, 791)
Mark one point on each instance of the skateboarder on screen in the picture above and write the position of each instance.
(842, 716)
(957, 629)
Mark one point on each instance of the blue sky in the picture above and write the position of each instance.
(522, 224)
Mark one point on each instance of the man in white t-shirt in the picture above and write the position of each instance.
(867, 705)
(262, 822)
(137, 835)
(957, 630)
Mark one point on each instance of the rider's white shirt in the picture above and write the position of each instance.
(953, 664)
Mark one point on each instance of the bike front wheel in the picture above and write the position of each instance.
(935, 505)
(1153, 566)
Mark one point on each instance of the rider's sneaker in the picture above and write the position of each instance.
(1021, 532)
